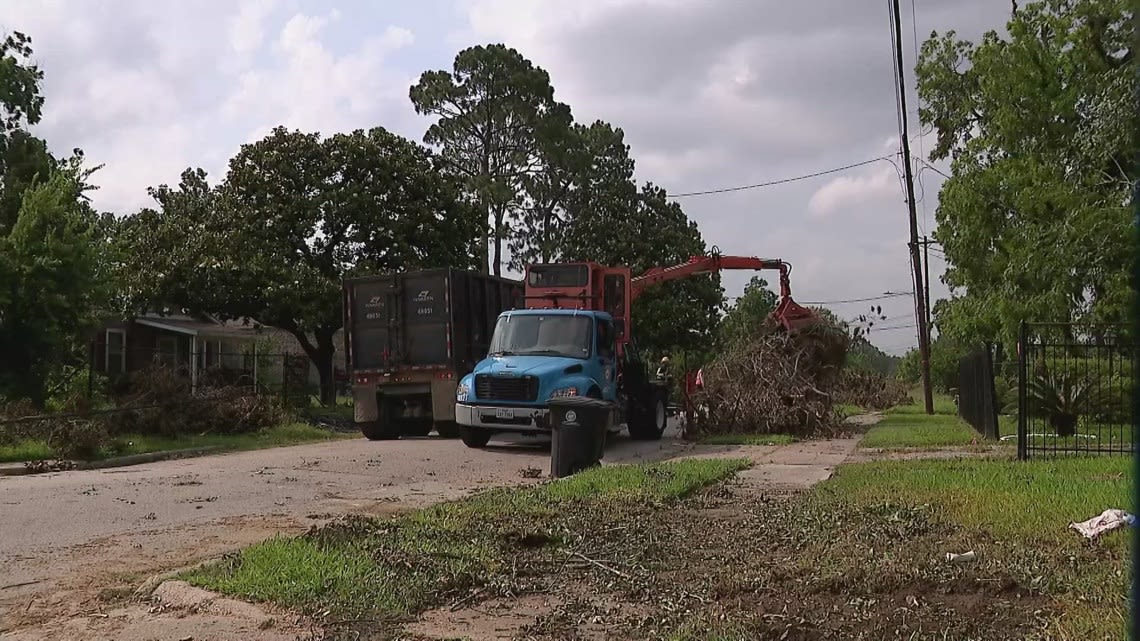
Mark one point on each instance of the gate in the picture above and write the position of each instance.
(1075, 385)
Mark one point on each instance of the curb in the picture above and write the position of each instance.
(20, 469)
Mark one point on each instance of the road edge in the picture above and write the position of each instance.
(23, 469)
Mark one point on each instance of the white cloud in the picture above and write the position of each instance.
(880, 186)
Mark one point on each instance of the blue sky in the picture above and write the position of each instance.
(710, 93)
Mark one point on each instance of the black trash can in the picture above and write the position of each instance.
(579, 426)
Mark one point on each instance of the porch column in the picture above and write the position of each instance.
(255, 387)
(193, 363)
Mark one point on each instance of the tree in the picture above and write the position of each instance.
(748, 313)
(497, 124)
(294, 216)
(54, 283)
(1040, 130)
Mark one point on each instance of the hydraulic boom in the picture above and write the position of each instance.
(789, 314)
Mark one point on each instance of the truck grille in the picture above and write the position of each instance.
(506, 388)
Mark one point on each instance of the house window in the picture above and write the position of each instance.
(115, 356)
(168, 350)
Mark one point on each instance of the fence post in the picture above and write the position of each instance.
(990, 395)
(1022, 395)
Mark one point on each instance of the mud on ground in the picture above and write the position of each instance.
(735, 563)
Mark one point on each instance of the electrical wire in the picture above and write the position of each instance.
(890, 327)
(931, 167)
(918, 121)
(781, 181)
(857, 300)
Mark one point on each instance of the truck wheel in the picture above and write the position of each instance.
(379, 430)
(447, 429)
(474, 436)
(648, 424)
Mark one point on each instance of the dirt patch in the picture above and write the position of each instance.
(738, 563)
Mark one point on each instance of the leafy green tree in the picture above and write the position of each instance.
(498, 126)
(53, 283)
(945, 353)
(1040, 128)
(295, 215)
(748, 313)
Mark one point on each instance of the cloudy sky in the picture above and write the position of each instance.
(710, 93)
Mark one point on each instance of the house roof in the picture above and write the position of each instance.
(184, 325)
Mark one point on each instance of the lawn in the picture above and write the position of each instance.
(391, 568)
(748, 439)
(1014, 515)
(128, 444)
(910, 427)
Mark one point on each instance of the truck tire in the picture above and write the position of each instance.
(380, 430)
(475, 437)
(648, 423)
(447, 429)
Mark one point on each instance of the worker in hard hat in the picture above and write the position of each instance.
(663, 369)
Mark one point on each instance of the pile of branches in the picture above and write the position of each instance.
(871, 390)
(775, 382)
(159, 401)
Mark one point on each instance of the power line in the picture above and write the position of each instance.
(890, 327)
(781, 181)
(858, 300)
(931, 166)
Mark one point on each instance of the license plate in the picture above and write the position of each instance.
(504, 412)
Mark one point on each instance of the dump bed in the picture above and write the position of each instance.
(430, 319)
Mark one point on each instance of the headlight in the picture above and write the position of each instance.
(565, 391)
(461, 392)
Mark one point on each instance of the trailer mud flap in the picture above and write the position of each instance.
(364, 408)
(443, 399)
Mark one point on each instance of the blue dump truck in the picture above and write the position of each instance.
(540, 354)
(409, 337)
(573, 339)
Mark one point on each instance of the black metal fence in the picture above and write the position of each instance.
(977, 397)
(1075, 385)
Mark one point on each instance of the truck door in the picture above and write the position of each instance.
(372, 323)
(607, 357)
(615, 300)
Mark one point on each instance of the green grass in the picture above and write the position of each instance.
(26, 450)
(395, 567)
(1015, 515)
(128, 444)
(748, 439)
(909, 426)
(898, 431)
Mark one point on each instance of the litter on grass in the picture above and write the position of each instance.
(1104, 522)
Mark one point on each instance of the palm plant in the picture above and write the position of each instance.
(1062, 399)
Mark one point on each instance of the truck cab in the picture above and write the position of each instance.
(560, 346)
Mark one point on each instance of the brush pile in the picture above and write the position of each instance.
(775, 382)
(871, 390)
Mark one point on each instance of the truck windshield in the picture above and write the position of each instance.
(535, 334)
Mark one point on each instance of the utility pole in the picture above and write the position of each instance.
(926, 276)
(915, 259)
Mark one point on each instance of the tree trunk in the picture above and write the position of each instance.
(321, 356)
(498, 266)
